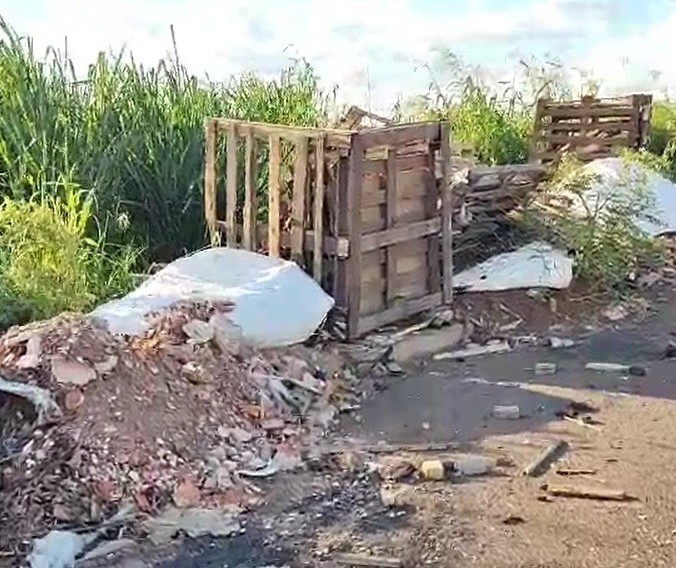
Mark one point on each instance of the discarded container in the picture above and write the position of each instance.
(542, 369)
(560, 343)
(634, 370)
(473, 465)
(507, 412)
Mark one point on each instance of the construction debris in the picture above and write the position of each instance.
(178, 416)
(367, 560)
(506, 412)
(583, 492)
(543, 461)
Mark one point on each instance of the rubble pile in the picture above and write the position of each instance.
(186, 416)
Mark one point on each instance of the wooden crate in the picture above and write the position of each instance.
(590, 128)
(361, 210)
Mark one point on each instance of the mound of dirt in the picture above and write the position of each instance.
(184, 415)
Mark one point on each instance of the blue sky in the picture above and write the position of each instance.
(373, 50)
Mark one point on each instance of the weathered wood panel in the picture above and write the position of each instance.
(591, 128)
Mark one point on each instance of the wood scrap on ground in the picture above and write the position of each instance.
(586, 492)
(367, 560)
(543, 461)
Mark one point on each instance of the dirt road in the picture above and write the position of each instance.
(625, 440)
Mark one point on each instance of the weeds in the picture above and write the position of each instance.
(598, 227)
(48, 264)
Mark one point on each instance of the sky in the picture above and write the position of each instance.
(375, 51)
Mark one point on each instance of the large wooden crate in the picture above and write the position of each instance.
(362, 211)
(590, 128)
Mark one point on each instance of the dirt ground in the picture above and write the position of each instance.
(624, 439)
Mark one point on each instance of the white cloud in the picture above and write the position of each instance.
(370, 49)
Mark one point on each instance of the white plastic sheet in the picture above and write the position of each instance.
(616, 175)
(276, 303)
(537, 265)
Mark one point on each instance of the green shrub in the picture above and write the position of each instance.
(48, 264)
(601, 234)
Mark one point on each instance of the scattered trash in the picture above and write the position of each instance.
(615, 313)
(58, 549)
(580, 492)
(367, 560)
(196, 522)
(543, 461)
(396, 470)
(507, 412)
(560, 343)
(433, 470)
(69, 372)
(635, 370)
(426, 426)
(537, 265)
(109, 547)
(513, 520)
(473, 465)
(542, 369)
(474, 351)
(570, 472)
(392, 496)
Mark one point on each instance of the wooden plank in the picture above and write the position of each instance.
(408, 211)
(432, 211)
(354, 264)
(400, 134)
(390, 214)
(274, 197)
(407, 285)
(404, 310)
(210, 210)
(298, 199)
(410, 258)
(368, 560)
(231, 187)
(334, 137)
(586, 140)
(446, 216)
(340, 285)
(574, 127)
(400, 234)
(609, 111)
(249, 240)
(318, 213)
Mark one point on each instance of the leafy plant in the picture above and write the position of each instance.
(596, 223)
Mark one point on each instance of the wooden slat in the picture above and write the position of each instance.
(249, 240)
(342, 229)
(334, 137)
(274, 197)
(401, 311)
(210, 211)
(318, 212)
(432, 211)
(580, 112)
(390, 215)
(231, 187)
(298, 199)
(446, 217)
(400, 135)
(354, 183)
(586, 140)
(389, 237)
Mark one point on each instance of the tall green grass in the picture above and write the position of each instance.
(101, 174)
(131, 134)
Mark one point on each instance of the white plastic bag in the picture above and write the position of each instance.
(536, 265)
(276, 303)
